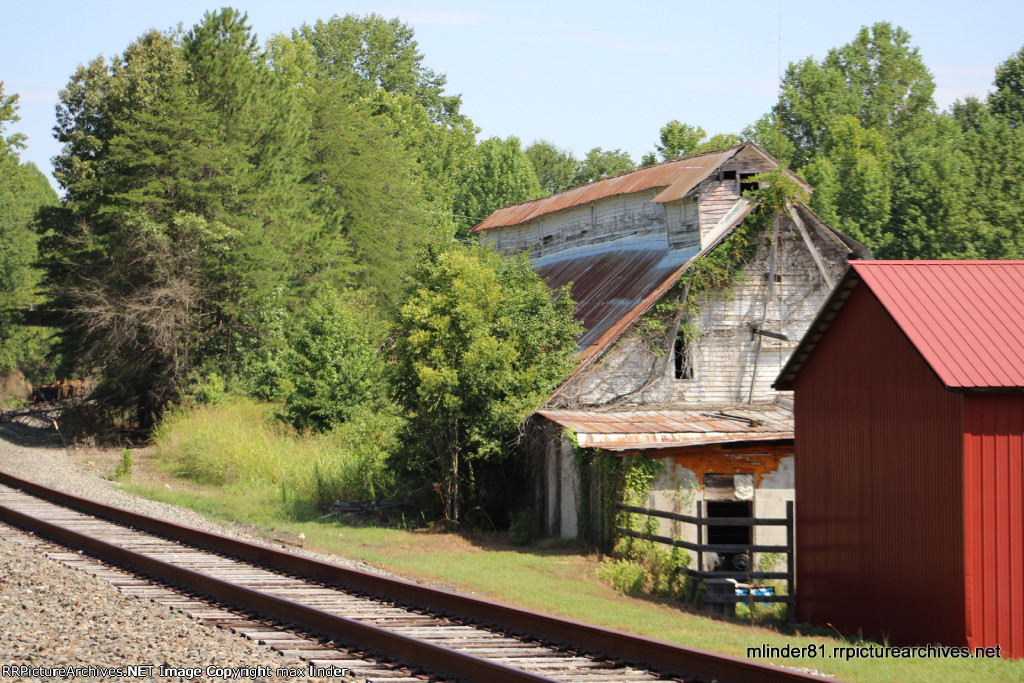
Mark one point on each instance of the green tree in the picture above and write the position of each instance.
(851, 178)
(1008, 99)
(555, 167)
(679, 139)
(478, 346)
(23, 190)
(996, 152)
(184, 212)
(374, 54)
(370, 201)
(878, 78)
(601, 164)
(376, 63)
(331, 367)
(765, 133)
(934, 214)
(501, 174)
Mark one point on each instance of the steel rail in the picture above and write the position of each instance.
(432, 657)
(662, 656)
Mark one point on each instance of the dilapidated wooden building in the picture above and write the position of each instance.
(692, 390)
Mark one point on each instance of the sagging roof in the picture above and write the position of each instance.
(678, 177)
(966, 318)
(653, 429)
(613, 287)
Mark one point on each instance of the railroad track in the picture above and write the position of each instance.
(334, 616)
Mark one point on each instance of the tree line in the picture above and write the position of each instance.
(289, 220)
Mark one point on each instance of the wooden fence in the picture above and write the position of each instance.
(700, 547)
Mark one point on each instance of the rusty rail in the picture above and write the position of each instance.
(669, 658)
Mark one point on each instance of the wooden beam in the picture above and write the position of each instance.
(825, 275)
(783, 447)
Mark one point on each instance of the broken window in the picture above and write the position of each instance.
(683, 361)
(728, 175)
(747, 184)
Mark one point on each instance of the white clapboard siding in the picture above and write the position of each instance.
(724, 354)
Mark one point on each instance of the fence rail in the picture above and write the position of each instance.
(700, 547)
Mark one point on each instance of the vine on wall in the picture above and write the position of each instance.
(723, 266)
(641, 565)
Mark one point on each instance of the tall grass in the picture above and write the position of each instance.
(239, 442)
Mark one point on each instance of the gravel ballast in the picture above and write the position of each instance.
(54, 616)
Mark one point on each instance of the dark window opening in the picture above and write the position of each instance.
(730, 535)
(683, 362)
(547, 240)
(747, 184)
(728, 175)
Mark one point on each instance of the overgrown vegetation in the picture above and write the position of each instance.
(240, 443)
(277, 223)
(478, 345)
(640, 564)
(23, 192)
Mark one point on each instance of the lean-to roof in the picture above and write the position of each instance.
(652, 429)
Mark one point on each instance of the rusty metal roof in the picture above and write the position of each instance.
(677, 177)
(966, 318)
(648, 429)
(614, 287)
(611, 290)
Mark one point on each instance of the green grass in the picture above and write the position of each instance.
(552, 577)
(239, 443)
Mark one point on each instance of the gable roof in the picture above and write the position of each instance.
(678, 177)
(966, 318)
(614, 286)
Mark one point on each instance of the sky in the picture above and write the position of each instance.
(581, 75)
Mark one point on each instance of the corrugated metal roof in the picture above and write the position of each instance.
(613, 288)
(678, 177)
(966, 318)
(626, 430)
(609, 287)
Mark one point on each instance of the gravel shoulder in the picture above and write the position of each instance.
(38, 455)
(56, 616)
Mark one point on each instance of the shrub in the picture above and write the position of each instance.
(124, 467)
(331, 368)
(520, 531)
(623, 575)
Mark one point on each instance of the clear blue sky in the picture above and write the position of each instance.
(582, 75)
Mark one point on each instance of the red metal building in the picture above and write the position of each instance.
(909, 433)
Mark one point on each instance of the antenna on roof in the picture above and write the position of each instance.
(778, 117)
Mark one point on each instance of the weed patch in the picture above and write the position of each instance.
(238, 442)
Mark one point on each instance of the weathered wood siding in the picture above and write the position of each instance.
(637, 371)
(627, 216)
(717, 195)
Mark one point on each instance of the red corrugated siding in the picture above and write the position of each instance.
(878, 485)
(993, 518)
